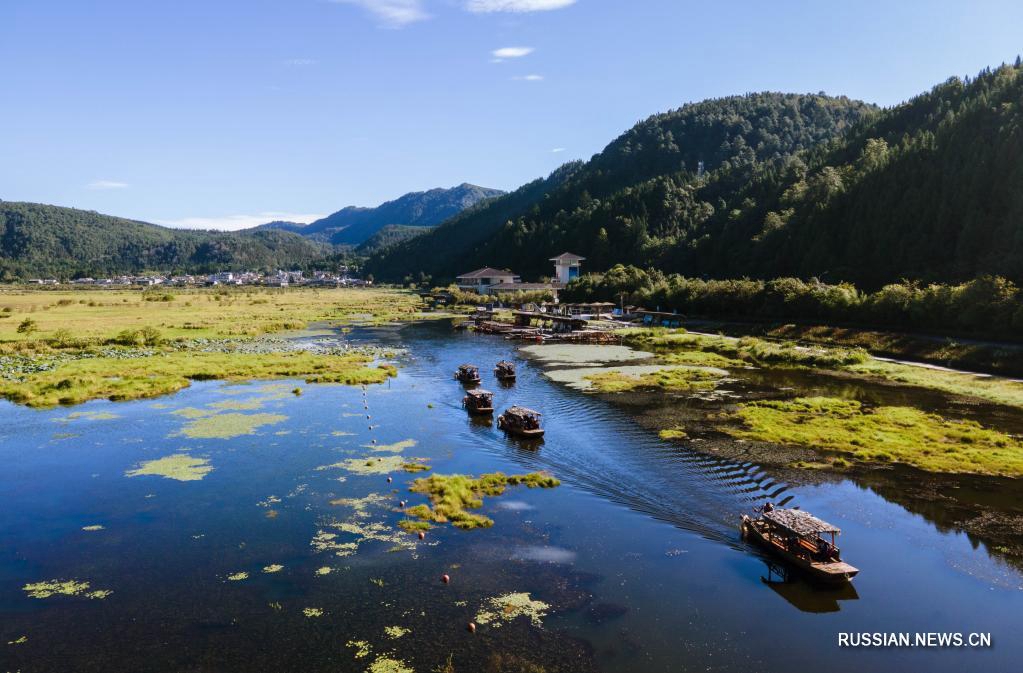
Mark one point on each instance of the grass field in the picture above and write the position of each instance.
(191, 314)
(68, 347)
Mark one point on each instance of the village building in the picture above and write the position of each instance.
(567, 267)
(480, 281)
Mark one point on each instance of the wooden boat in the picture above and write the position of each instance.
(468, 374)
(505, 371)
(797, 537)
(479, 402)
(522, 422)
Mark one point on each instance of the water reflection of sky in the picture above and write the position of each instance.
(637, 553)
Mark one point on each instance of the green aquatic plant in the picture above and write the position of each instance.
(376, 465)
(991, 388)
(501, 609)
(413, 525)
(93, 527)
(676, 378)
(192, 412)
(673, 433)
(361, 506)
(325, 570)
(91, 416)
(452, 495)
(882, 435)
(361, 647)
(312, 612)
(238, 577)
(397, 447)
(250, 404)
(64, 588)
(229, 425)
(395, 632)
(18, 641)
(273, 568)
(180, 467)
(387, 664)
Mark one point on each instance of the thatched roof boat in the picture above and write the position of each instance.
(468, 374)
(521, 421)
(798, 537)
(505, 371)
(479, 402)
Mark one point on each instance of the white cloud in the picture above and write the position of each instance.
(300, 61)
(528, 78)
(392, 13)
(557, 150)
(107, 184)
(511, 52)
(240, 221)
(488, 6)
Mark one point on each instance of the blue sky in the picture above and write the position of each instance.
(224, 113)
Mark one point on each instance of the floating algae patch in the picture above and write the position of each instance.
(229, 425)
(325, 570)
(64, 588)
(180, 467)
(414, 525)
(372, 532)
(90, 416)
(312, 612)
(238, 577)
(324, 541)
(881, 435)
(192, 412)
(239, 405)
(396, 632)
(273, 568)
(397, 447)
(18, 641)
(371, 465)
(679, 378)
(673, 433)
(452, 495)
(93, 527)
(361, 647)
(360, 506)
(501, 609)
(385, 664)
(342, 433)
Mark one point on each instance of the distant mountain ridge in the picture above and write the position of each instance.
(356, 225)
(42, 240)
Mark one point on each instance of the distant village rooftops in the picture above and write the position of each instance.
(489, 280)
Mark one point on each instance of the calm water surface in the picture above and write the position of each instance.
(637, 553)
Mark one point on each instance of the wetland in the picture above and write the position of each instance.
(232, 524)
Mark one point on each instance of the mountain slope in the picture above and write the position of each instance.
(930, 190)
(635, 198)
(42, 240)
(354, 225)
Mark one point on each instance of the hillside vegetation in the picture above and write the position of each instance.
(800, 186)
(40, 240)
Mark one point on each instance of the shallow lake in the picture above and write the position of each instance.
(634, 563)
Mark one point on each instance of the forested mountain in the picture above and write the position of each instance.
(636, 197)
(40, 240)
(355, 225)
(792, 186)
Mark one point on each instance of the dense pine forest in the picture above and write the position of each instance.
(804, 186)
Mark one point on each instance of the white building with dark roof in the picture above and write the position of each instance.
(481, 280)
(567, 267)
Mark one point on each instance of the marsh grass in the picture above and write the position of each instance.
(180, 467)
(678, 378)
(452, 495)
(990, 388)
(882, 435)
(118, 379)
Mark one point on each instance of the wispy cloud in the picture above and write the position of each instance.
(511, 52)
(528, 78)
(240, 221)
(391, 13)
(300, 61)
(107, 184)
(557, 150)
(489, 6)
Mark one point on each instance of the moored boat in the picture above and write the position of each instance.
(798, 538)
(522, 422)
(479, 402)
(468, 374)
(505, 371)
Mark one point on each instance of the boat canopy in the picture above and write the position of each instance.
(522, 412)
(504, 364)
(799, 522)
(480, 394)
(467, 368)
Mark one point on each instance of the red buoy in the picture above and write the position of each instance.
(422, 535)
(445, 579)
(471, 627)
(389, 480)
(401, 504)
